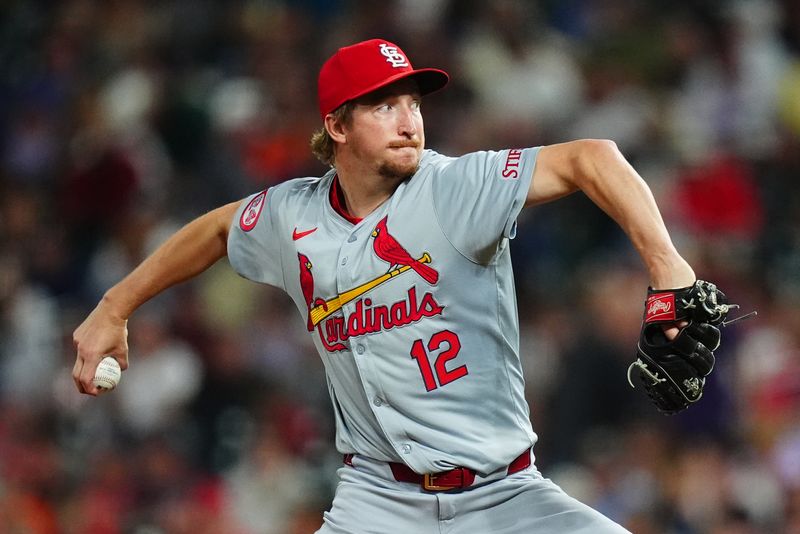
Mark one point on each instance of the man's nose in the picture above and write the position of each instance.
(406, 124)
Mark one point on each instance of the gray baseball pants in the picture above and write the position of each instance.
(369, 500)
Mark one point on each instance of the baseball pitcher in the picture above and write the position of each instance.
(398, 262)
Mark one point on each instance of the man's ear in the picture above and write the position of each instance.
(335, 128)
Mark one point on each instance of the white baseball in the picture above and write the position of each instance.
(107, 375)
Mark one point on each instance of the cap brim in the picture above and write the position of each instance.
(428, 81)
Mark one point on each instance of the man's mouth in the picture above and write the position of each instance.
(407, 144)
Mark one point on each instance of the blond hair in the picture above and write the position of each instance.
(322, 146)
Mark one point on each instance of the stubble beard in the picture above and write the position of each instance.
(397, 172)
(400, 171)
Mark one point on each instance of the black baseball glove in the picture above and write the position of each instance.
(673, 372)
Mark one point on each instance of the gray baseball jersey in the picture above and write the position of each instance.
(412, 309)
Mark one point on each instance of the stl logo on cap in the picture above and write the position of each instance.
(393, 56)
(356, 70)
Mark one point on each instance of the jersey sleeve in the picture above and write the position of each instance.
(478, 196)
(253, 247)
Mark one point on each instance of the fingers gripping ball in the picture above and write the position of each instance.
(673, 371)
(107, 375)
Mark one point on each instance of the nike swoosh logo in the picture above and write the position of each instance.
(298, 235)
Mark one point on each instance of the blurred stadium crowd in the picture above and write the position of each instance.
(123, 119)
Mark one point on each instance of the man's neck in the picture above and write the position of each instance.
(363, 193)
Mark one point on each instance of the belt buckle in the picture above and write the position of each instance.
(429, 483)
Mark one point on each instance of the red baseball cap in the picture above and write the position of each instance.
(358, 69)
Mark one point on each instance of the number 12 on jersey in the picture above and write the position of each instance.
(448, 345)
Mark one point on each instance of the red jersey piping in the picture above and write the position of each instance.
(337, 202)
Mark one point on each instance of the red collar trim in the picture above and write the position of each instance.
(337, 202)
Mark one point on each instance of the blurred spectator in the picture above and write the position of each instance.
(718, 197)
(727, 92)
(524, 75)
(29, 338)
(161, 381)
(595, 362)
(269, 484)
(223, 406)
(31, 471)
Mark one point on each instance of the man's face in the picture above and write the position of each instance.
(386, 131)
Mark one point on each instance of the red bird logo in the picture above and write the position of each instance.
(306, 284)
(389, 250)
(307, 287)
